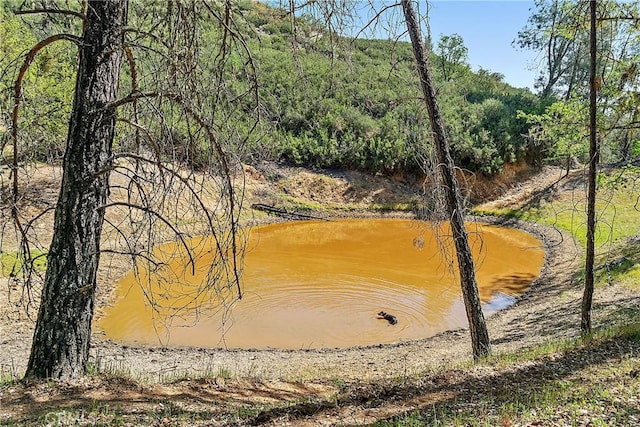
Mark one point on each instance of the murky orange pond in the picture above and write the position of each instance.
(318, 284)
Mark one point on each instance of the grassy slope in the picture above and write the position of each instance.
(594, 382)
(562, 204)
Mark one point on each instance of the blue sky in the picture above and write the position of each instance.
(488, 29)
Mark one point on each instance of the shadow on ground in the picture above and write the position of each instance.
(455, 389)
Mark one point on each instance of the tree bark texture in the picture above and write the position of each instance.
(477, 325)
(587, 297)
(61, 339)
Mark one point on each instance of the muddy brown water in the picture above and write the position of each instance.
(314, 284)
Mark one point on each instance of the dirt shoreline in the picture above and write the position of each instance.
(371, 362)
(533, 319)
(510, 329)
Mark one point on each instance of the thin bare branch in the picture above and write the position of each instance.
(167, 222)
(375, 18)
(50, 11)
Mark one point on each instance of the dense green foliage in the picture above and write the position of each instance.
(47, 88)
(354, 103)
(324, 101)
(559, 31)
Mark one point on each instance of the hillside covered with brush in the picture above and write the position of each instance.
(304, 94)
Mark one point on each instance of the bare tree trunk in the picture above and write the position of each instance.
(587, 298)
(60, 346)
(477, 325)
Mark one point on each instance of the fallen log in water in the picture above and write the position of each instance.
(284, 213)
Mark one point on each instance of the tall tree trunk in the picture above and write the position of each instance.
(585, 324)
(60, 346)
(477, 325)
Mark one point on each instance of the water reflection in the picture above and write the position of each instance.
(319, 284)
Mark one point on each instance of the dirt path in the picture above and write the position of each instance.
(549, 310)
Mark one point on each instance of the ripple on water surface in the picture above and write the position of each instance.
(316, 284)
